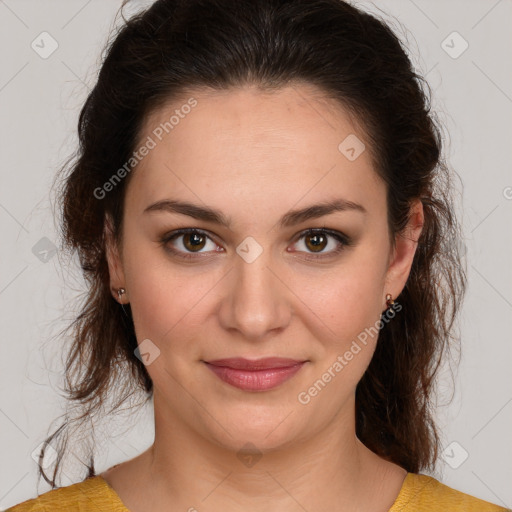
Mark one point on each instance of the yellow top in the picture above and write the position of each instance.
(419, 493)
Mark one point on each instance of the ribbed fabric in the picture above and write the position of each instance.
(94, 494)
(423, 493)
(419, 493)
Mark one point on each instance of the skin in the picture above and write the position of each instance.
(255, 156)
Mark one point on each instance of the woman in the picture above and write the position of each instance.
(259, 209)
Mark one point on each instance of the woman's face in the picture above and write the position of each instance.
(256, 287)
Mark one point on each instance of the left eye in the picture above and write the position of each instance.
(192, 241)
(317, 239)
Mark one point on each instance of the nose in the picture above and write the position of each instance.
(257, 302)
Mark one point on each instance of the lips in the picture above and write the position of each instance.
(240, 363)
(255, 375)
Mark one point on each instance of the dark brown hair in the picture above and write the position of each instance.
(176, 46)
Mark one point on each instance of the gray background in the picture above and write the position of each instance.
(39, 101)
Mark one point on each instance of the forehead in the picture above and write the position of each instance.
(272, 147)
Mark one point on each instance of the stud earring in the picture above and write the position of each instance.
(389, 300)
(120, 292)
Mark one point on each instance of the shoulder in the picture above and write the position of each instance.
(92, 494)
(422, 493)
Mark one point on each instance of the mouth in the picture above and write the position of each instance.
(255, 375)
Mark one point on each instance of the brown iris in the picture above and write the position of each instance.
(193, 241)
(317, 244)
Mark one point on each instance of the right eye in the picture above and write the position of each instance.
(191, 240)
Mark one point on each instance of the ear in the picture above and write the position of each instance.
(115, 265)
(405, 247)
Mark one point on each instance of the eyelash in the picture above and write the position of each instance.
(343, 240)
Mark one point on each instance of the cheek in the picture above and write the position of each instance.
(346, 310)
(167, 300)
(163, 301)
(347, 329)
(348, 301)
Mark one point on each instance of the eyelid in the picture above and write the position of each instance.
(172, 235)
(343, 241)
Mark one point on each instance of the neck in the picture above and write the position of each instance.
(330, 469)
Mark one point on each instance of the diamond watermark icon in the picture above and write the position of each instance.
(351, 147)
(454, 45)
(44, 249)
(44, 45)
(454, 455)
(147, 351)
(249, 455)
(50, 455)
(249, 249)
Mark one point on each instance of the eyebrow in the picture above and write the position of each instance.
(290, 218)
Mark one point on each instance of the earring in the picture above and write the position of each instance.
(389, 300)
(120, 292)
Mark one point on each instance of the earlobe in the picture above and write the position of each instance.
(115, 267)
(405, 248)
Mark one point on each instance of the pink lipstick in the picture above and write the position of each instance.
(255, 375)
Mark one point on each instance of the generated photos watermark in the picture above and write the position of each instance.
(304, 397)
(149, 144)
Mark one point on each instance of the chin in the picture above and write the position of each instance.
(259, 430)
(254, 442)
